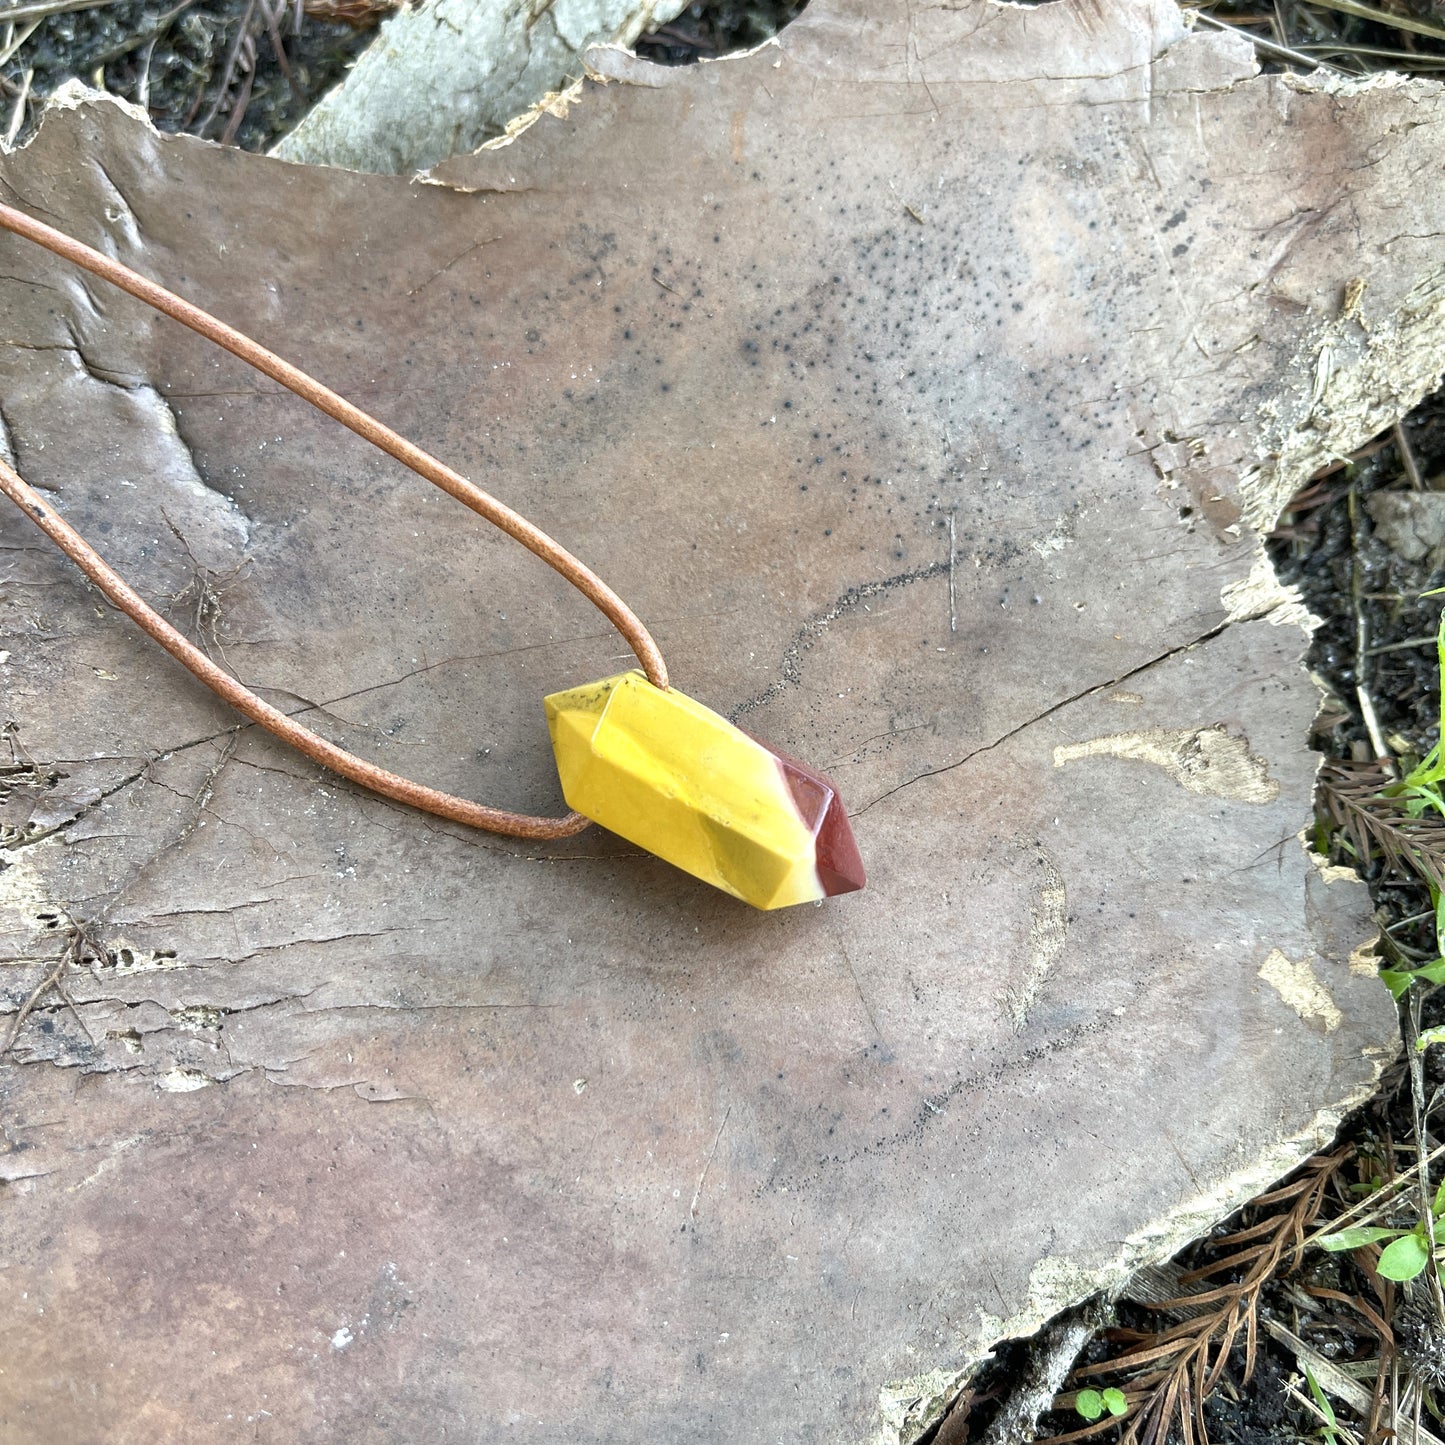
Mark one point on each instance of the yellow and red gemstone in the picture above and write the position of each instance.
(670, 775)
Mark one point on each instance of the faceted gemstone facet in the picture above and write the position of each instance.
(672, 776)
(840, 868)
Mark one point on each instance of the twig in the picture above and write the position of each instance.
(228, 71)
(1415, 59)
(243, 98)
(1278, 23)
(29, 9)
(1387, 18)
(78, 940)
(14, 40)
(1372, 723)
(1408, 642)
(1260, 43)
(1362, 645)
(1422, 1145)
(1407, 457)
(37, 993)
(273, 15)
(143, 85)
(1377, 1397)
(64, 992)
(17, 116)
(1395, 1388)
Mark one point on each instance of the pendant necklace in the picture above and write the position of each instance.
(633, 753)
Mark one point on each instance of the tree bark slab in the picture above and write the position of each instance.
(924, 381)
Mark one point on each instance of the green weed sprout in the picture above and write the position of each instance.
(1408, 1250)
(1420, 787)
(1420, 792)
(1091, 1404)
(1398, 980)
(1330, 1431)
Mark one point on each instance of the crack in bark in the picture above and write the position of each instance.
(92, 369)
(15, 845)
(223, 1011)
(1048, 712)
(226, 1011)
(812, 631)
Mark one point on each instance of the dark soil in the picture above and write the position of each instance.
(215, 68)
(1327, 546)
(707, 30)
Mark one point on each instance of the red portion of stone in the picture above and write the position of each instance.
(840, 868)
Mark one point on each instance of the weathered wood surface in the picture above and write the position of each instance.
(918, 379)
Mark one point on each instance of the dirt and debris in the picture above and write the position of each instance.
(708, 30)
(1344, 35)
(245, 72)
(239, 71)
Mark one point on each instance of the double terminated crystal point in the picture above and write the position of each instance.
(672, 776)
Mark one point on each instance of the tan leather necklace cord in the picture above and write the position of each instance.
(401, 790)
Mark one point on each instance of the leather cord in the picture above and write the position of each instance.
(390, 785)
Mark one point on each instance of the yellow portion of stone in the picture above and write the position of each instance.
(672, 776)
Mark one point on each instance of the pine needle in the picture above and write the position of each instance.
(1167, 1377)
(1378, 827)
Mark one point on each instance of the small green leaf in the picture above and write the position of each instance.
(1405, 1258)
(1423, 773)
(1357, 1236)
(1115, 1403)
(1089, 1403)
(1321, 1399)
(1430, 1036)
(1438, 1206)
(1397, 981)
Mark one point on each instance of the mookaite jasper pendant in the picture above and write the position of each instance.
(672, 776)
